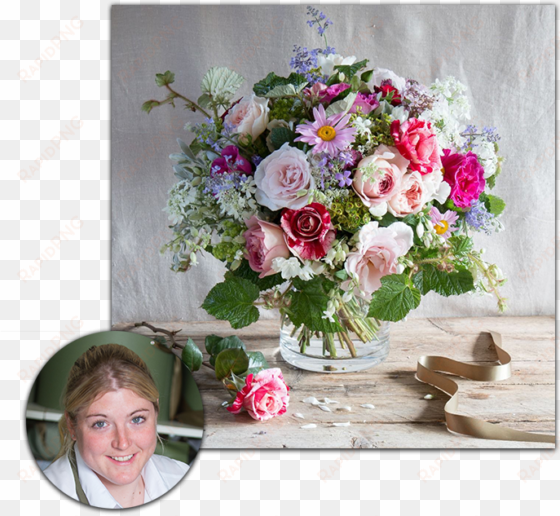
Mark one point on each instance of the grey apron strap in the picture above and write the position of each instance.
(79, 491)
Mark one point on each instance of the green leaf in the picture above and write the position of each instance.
(233, 301)
(244, 271)
(462, 244)
(282, 90)
(491, 181)
(341, 275)
(257, 362)
(230, 361)
(342, 106)
(191, 355)
(395, 299)
(162, 79)
(493, 204)
(309, 302)
(210, 341)
(272, 80)
(232, 342)
(186, 149)
(350, 70)
(366, 76)
(149, 105)
(205, 101)
(281, 135)
(444, 283)
(220, 81)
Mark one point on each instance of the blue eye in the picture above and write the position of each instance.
(99, 424)
(138, 420)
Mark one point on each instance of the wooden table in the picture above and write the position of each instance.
(402, 418)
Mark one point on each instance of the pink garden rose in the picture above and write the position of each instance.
(264, 242)
(309, 231)
(264, 396)
(417, 142)
(280, 176)
(378, 177)
(249, 116)
(410, 197)
(465, 175)
(376, 256)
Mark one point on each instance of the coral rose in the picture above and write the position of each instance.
(410, 197)
(309, 231)
(264, 396)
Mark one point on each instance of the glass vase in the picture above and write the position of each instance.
(363, 344)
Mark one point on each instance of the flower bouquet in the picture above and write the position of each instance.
(339, 195)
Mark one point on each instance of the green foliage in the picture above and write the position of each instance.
(350, 70)
(257, 362)
(233, 301)
(342, 106)
(281, 135)
(215, 345)
(395, 299)
(163, 79)
(462, 244)
(229, 361)
(272, 80)
(442, 282)
(229, 246)
(244, 271)
(149, 105)
(191, 355)
(493, 204)
(308, 303)
(219, 84)
(286, 109)
(366, 76)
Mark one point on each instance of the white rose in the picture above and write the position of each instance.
(280, 176)
(249, 116)
(327, 63)
(382, 74)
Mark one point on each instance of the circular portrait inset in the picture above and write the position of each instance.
(113, 420)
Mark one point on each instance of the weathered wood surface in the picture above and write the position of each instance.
(402, 418)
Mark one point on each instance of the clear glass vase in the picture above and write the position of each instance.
(363, 344)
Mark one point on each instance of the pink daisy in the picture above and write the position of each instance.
(443, 224)
(329, 135)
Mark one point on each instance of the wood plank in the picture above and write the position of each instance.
(402, 418)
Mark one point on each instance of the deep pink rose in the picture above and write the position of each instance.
(367, 103)
(465, 175)
(417, 142)
(231, 161)
(332, 91)
(309, 231)
(264, 396)
(264, 242)
(387, 89)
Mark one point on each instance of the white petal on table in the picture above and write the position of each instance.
(309, 426)
(345, 407)
(325, 408)
(367, 405)
(342, 424)
(298, 415)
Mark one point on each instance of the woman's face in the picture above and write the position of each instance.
(117, 435)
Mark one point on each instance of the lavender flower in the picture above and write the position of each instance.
(479, 218)
(343, 178)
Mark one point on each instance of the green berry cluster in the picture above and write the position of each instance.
(349, 214)
(229, 246)
(381, 130)
(286, 109)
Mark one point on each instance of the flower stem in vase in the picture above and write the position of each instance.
(349, 343)
(329, 339)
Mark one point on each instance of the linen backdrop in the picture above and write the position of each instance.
(504, 55)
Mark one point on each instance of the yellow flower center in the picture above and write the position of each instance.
(326, 133)
(441, 227)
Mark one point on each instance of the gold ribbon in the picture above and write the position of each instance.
(426, 373)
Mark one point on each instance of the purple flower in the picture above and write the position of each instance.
(343, 178)
(330, 134)
(231, 161)
(333, 91)
(367, 103)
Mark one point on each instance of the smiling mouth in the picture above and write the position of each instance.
(123, 459)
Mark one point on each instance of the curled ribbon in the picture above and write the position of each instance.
(426, 373)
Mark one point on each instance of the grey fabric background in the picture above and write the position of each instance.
(503, 54)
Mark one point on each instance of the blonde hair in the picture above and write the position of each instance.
(99, 370)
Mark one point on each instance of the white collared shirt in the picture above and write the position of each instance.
(160, 475)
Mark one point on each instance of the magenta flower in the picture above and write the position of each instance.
(444, 224)
(231, 161)
(332, 91)
(329, 135)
